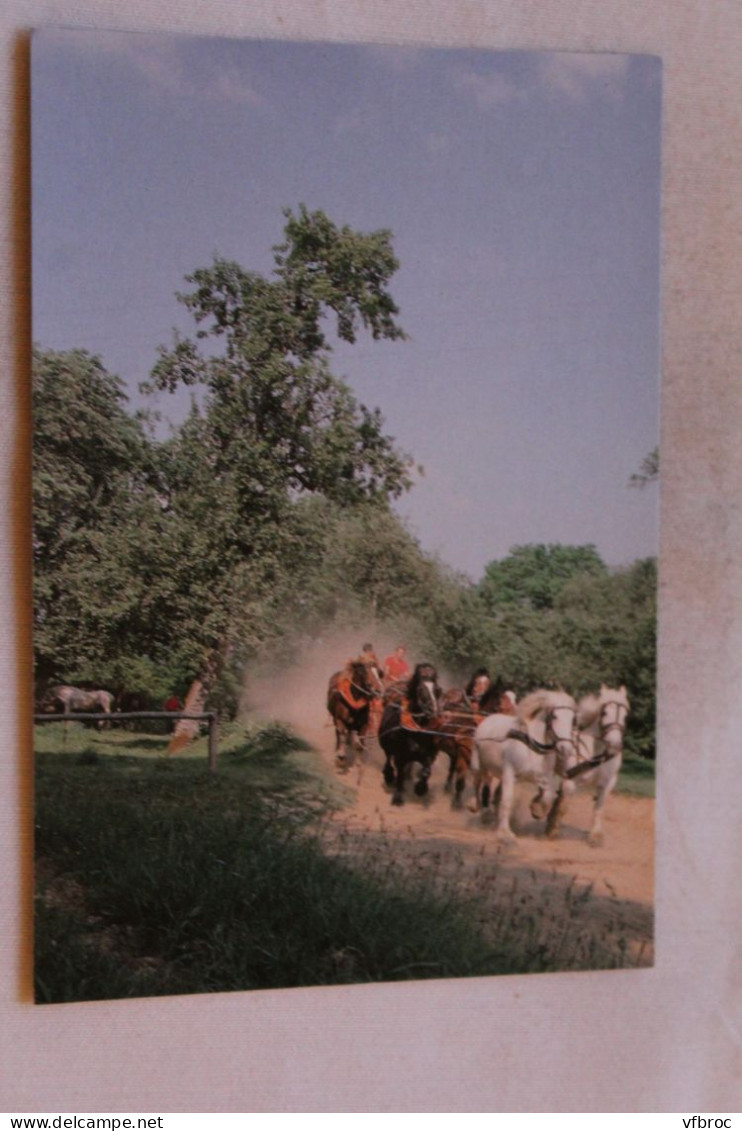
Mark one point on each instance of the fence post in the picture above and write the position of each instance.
(213, 742)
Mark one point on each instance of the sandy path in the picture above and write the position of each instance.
(622, 867)
(428, 835)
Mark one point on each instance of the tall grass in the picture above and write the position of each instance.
(156, 877)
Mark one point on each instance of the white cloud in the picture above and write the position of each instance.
(231, 86)
(437, 142)
(488, 90)
(399, 59)
(161, 62)
(578, 75)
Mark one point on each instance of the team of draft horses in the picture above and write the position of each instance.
(547, 737)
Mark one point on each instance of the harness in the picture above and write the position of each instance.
(533, 743)
(606, 756)
(590, 764)
(344, 691)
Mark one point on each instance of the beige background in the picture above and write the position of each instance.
(666, 1039)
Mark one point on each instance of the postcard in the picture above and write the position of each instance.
(345, 462)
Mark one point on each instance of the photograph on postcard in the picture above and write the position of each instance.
(345, 472)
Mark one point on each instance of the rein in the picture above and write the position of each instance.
(532, 744)
(590, 764)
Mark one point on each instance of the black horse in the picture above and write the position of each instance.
(408, 732)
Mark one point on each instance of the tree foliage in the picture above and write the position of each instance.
(649, 472)
(533, 576)
(265, 518)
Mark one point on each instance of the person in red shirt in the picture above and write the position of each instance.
(395, 666)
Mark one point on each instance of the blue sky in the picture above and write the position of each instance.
(522, 190)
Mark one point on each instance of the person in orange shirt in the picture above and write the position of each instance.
(395, 666)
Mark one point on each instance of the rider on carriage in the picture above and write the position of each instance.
(478, 686)
(396, 667)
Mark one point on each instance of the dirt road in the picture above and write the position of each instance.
(622, 867)
(618, 875)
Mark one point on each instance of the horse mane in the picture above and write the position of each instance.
(541, 700)
(588, 709)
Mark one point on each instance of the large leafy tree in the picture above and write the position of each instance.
(275, 423)
(94, 488)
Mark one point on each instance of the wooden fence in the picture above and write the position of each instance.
(120, 716)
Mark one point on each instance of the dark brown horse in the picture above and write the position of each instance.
(461, 713)
(458, 721)
(349, 696)
(408, 731)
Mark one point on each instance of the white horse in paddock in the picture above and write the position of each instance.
(601, 720)
(77, 700)
(538, 745)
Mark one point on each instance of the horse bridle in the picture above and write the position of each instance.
(605, 728)
(545, 747)
(606, 755)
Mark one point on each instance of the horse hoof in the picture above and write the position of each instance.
(553, 833)
(421, 788)
(506, 836)
(473, 805)
(595, 840)
(398, 799)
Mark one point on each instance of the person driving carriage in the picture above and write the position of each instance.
(396, 667)
(478, 686)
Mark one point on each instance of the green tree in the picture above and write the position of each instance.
(532, 576)
(649, 472)
(94, 483)
(276, 424)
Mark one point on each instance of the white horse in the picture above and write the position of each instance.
(601, 720)
(77, 700)
(538, 745)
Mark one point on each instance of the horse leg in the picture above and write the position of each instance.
(341, 746)
(421, 785)
(475, 803)
(595, 836)
(506, 790)
(398, 795)
(388, 771)
(461, 766)
(539, 807)
(448, 748)
(556, 815)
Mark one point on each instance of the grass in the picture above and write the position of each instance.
(637, 776)
(156, 877)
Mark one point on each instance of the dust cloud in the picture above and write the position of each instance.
(298, 695)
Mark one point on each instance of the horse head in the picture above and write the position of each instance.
(614, 710)
(555, 712)
(361, 680)
(423, 692)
